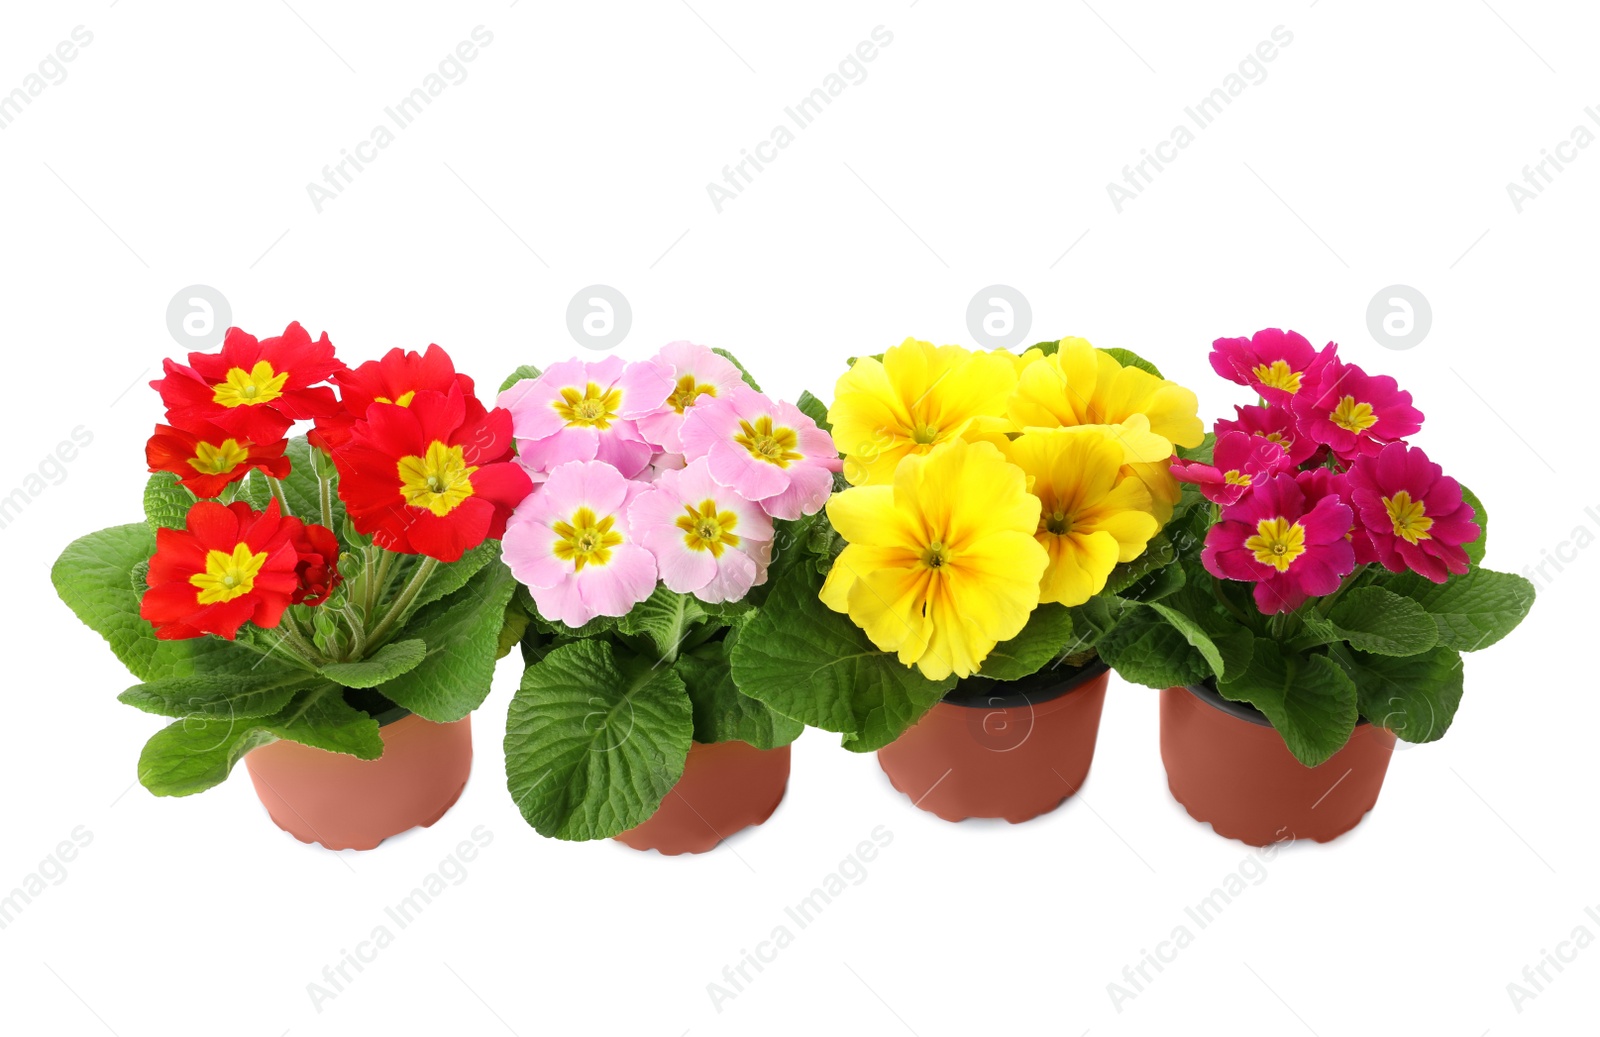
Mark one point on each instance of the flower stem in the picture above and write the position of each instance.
(403, 602)
(278, 494)
(325, 498)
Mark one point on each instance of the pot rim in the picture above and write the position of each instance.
(392, 715)
(1206, 692)
(1032, 690)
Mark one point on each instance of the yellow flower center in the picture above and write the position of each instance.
(228, 576)
(594, 406)
(774, 446)
(925, 434)
(403, 400)
(1280, 439)
(1234, 477)
(1277, 542)
(438, 480)
(247, 388)
(688, 392)
(1352, 416)
(219, 459)
(707, 529)
(1278, 375)
(1056, 522)
(584, 541)
(936, 556)
(1410, 518)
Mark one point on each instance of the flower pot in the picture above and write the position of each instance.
(1228, 766)
(725, 787)
(350, 804)
(1013, 749)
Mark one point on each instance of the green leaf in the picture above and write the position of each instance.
(814, 409)
(1476, 549)
(1048, 632)
(1128, 358)
(1158, 555)
(1197, 637)
(389, 662)
(462, 633)
(93, 576)
(1376, 620)
(813, 664)
(240, 696)
(192, 755)
(254, 491)
(1472, 611)
(321, 719)
(1093, 620)
(1202, 453)
(166, 502)
(1415, 697)
(1145, 649)
(593, 742)
(666, 618)
(447, 578)
(722, 713)
(524, 372)
(1310, 701)
(730, 358)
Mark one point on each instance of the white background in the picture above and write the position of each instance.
(977, 151)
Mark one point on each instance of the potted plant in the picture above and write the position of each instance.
(956, 592)
(1328, 577)
(328, 607)
(665, 487)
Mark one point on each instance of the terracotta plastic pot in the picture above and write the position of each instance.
(725, 787)
(350, 804)
(991, 749)
(1228, 766)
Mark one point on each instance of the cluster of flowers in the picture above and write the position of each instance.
(1318, 479)
(672, 467)
(988, 483)
(423, 469)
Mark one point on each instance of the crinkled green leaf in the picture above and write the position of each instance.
(813, 664)
(1416, 697)
(1310, 701)
(1472, 611)
(722, 713)
(462, 633)
(814, 409)
(1374, 620)
(730, 358)
(526, 371)
(241, 696)
(387, 663)
(166, 502)
(1145, 649)
(1047, 635)
(594, 742)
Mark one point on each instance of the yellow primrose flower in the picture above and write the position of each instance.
(1092, 516)
(1082, 385)
(942, 564)
(918, 397)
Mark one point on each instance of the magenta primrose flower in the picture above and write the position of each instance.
(767, 452)
(1237, 462)
(698, 375)
(1276, 364)
(1353, 412)
(572, 545)
(707, 540)
(579, 411)
(1290, 546)
(1276, 424)
(1414, 514)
